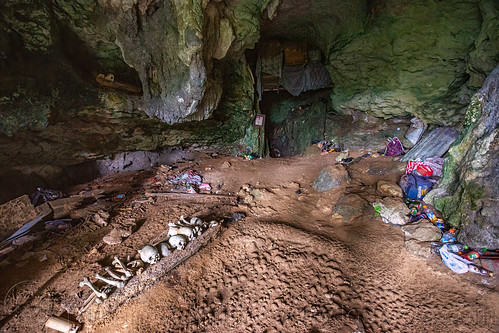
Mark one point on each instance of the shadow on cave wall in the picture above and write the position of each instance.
(15, 182)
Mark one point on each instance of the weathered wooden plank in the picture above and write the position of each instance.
(189, 196)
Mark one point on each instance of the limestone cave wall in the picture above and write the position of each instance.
(182, 62)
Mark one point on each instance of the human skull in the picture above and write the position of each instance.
(149, 254)
(177, 241)
(196, 221)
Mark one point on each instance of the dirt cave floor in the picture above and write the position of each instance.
(287, 266)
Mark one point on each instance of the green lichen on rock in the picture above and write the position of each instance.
(484, 56)
(31, 21)
(236, 111)
(296, 122)
(246, 22)
(411, 57)
(25, 109)
(466, 198)
(467, 193)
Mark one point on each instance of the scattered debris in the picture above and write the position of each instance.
(416, 130)
(43, 195)
(62, 325)
(327, 147)
(237, 216)
(394, 147)
(187, 196)
(101, 218)
(58, 225)
(189, 181)
(247, 154)
(342, 156)
(415, 186)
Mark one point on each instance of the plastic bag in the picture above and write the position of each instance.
(414, 186)
(453, 261)
(436, 164)
(394, 147)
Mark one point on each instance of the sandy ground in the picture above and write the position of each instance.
(288, 266)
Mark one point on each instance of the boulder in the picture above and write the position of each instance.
(350, 207)
(424, 231)
(330, 177)
(392, 210)
(389, 189)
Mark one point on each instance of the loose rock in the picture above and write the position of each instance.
(389, 189)
(424, 231)
(349, 207)
(392, 210)
(330, 177)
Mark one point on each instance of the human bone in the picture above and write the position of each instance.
(117, 284)
(114, 275)
(178, 241)
(181, 230)
(164, 249)
(196, 221)
(135, 264)
(198, 230)
(182, 220)
(89, 301)
(86, 282)
(149, 254)
(117, 261)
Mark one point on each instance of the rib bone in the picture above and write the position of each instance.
(86, 282)
(116, 260)
(117, 284)
(114, 275)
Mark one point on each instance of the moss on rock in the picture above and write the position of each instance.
(411, 59)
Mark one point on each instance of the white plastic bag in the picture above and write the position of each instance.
(453, 261)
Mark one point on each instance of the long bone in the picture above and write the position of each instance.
(117, 284)
(91, 299)
(116, 260)
(86, 282)
(114, 275)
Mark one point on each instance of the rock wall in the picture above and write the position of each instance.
(169, 46)
(417, 58)
(468, 192)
